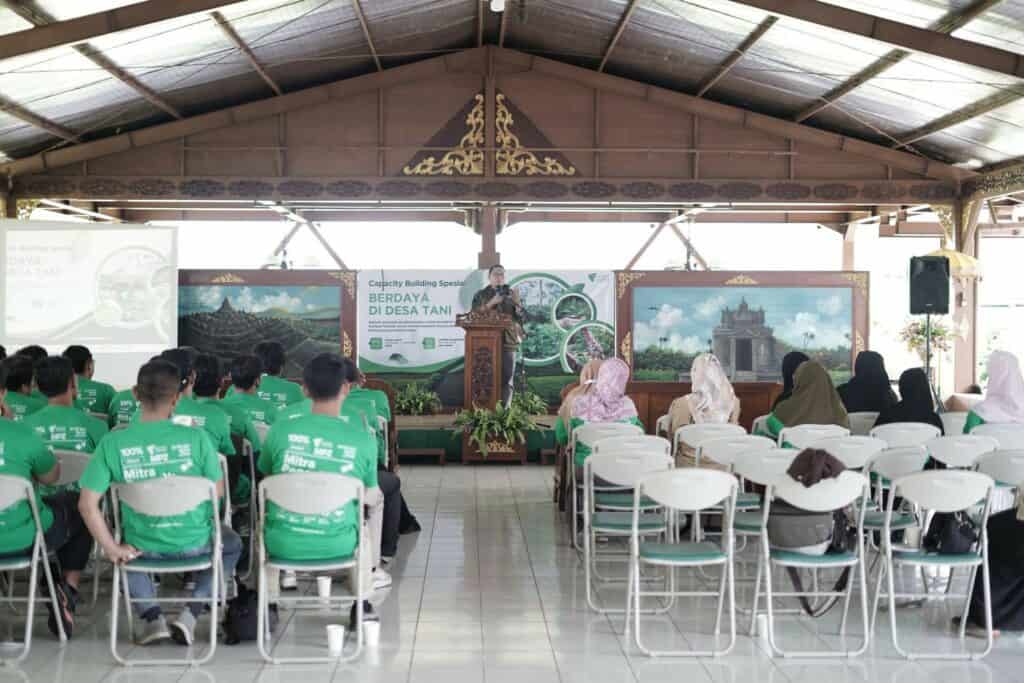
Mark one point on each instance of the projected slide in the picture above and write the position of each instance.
(112, 288)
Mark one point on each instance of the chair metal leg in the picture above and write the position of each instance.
(757, 592)
(41, 549)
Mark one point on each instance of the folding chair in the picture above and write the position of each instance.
(250, 504)
(262, 429)
(72, 465)
(862, 422)
(618, 498)
(1009, 436)
(960, 451)
(953, 422)
(944, 491)
(662, 425)
(723, 452)
(902, 434)
(853, 451)
(802, 436)
(311, 494)
(681, 491)
(382, 426)
(1007, 468)
(14, 490)
(827, 495)
(760, 426)
(590, 434)
(166, 497)
(624, 467)
(882, 470)
(693, 435)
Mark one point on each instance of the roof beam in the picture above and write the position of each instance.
(946, 24)
(366, 33)
(31, 12)
(619, 30)
(244, 48)
(91, 26)
(480, 9)
(502, 27)
(14, 109)
(905, 36)
(966, 113)
(737, 54)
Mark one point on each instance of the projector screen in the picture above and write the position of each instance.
(112, 288)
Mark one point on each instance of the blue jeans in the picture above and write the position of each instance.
(140, 584)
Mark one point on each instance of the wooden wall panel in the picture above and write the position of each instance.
(719, 135)
(310, 133)
(653, 399)
(160, 159)
(237, 162)
(819, 163)
(627, 122)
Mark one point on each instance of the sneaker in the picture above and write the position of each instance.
(184, 627)
(381, 579)
(368, 614)
(289, 581)
(153, 630)
(188, 583)
(66, 603)
(973, 630)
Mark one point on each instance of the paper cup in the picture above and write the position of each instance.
(323, 589)
(762, 633)
(335, 639)
(371, 633)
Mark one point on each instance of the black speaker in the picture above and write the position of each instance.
(929, 285)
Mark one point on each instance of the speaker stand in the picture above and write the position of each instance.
(928, 362)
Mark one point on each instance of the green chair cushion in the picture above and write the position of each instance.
(623, 521)
(792, 557)
(682, 552)
(163, 566)
(920, 557)
(875, 519)
(621, 500)
(301, 565)
(748, 521)
(748, 500)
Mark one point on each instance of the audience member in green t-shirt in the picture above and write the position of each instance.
(207, 416)
(93, 396)
(814, 400)
(60, 424)
(123, 407)
(23, 454)
(152, 448)
(19, 401)
(206, 389)
(273, 387)
(320, 442)
(606, 402)
(245, 383)
(1004, 394)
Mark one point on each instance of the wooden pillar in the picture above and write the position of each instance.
(10, 206)
(849, 261)
(489, 255)
(965, 296)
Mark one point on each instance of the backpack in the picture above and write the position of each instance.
(240, 621)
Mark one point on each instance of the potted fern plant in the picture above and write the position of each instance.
(496, 435)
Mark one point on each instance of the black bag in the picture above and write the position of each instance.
(951, 533)
(240, 622)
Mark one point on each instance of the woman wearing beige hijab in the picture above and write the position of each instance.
(711, 401)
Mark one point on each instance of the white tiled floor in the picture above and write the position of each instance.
(491, 591)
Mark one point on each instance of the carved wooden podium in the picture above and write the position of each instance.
(485, 331)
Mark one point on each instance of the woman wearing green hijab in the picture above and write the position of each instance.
(814, 401)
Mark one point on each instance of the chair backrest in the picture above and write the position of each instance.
(826, 495)
(165, 496)
(960, 450)
(72, 465)
(802, 436)
(894, 463)
(1006, 467)
(14, 489)
(760, 425)
(625, 468)
(262, 429)
(724, 451)
(1009, 436)
(310, 493)
(696, 434)
(853, 451)
(944, 490)
(953, 422)
(900, 434)
(590, 432)
(690, 488)
(862, 422)
(225, 471)
(634, 443)
(763, 467)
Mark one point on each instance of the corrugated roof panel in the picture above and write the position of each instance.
(989, 138)
(914, 12)
(69, 9)
(1002, 26)
(11, 22)
(577, 33)
(405, 30)
(31, 80)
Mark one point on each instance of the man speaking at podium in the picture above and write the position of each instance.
(498, 296)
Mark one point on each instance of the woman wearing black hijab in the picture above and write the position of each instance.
(868, 390)
(916, 402)
(790, 362)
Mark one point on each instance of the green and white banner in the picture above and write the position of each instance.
(407, 326)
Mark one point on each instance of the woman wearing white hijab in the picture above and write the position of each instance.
(1004, 395)
(711, 399)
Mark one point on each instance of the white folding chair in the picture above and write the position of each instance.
(882, 470)
(960, 451)
(382, 427)
(589, 434)
(621, 498)
(680, 491)
(901, 434)
(72, 466)
(693, 435)
(166, 497)
(622, 467)
(760, 426)
(662, 425)
(262, 429)
(15, 490)
(723, 452)
(827, 495)
(1006, 467)
(953, 422)
(853, 451)
(862, 422)
(225, 474)
(802, 436)
(250, 505)
(1009, 436)
(312, 494)
(943, 491)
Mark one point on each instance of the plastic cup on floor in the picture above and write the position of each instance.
(323, 589)
(371, 633)
(335, 639)
(762, 633)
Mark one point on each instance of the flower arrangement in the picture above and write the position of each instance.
(914, 335)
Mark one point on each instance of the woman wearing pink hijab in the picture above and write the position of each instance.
(605, 402)
(1004, 395)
